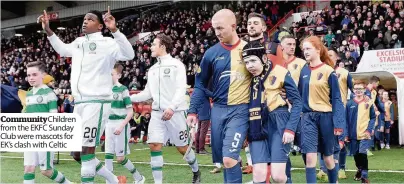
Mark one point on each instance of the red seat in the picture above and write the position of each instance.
(62, 109)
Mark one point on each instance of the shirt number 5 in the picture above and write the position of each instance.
(236, 141)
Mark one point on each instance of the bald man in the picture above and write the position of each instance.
(231, 90)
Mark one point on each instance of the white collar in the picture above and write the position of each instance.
(36, 89)
(93, 35)
(163, 58)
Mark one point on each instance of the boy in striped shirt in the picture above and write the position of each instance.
(117, 131)
(40, 99)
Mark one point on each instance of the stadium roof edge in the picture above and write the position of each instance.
(77, 11)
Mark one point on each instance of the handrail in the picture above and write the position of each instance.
(313, 26)
(281, 21)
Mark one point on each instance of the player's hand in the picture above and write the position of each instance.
(346, 139)
(289, 105)
(367, 134)
(44, 19)
(109, 21)
(377, 113)
(118, 130)
(337, 132)
(341, 144)
(191, 120)
(167, 114)
(373, 132)
(283, 93)
(287, 138)
(381, 129)
(391, 122)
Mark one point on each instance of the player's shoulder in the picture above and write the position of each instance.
(342, 70)
(154, 66)
(80, 39)
(326, 69)
(300, 61)
(45, 90)
(350, 102)
(119, 88)
(243, 43)
(280, 70)
(214, 49)
(177, 63)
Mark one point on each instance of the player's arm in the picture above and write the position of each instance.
(180, 88)
(380, 105)
(391, 112)
(129, 112)
(293, 96)
(347, 121)
(121, 48)
(372, 120)
(349, 82)
(201, 84)
(52, 102)
(143, 95)
(337, 105)
(300, 83)
(63, 49)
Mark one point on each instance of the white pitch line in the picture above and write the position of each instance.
(140, 149)
(209, 165)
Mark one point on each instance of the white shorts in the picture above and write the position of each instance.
(42, 159)
(94, 117)
(175, 129)
(117, 144)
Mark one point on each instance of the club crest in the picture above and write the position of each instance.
(272, 80)
(367, 106)
(338, 75)
(319, 76)
(295, 66)
(167, 71)
(115, 96)
(39, 99)
(92, 46)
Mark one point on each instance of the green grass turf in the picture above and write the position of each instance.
(12, 168)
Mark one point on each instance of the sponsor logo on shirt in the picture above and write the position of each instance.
(219, 58)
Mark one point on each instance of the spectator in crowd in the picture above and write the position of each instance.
(349, 62)
(136, 126)
(68, 104)
(145, 126)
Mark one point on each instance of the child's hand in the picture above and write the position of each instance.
(118, 130)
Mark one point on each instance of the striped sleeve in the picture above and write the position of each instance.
(126, 98)
(52, 102)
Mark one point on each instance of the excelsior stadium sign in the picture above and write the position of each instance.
(391, 60)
